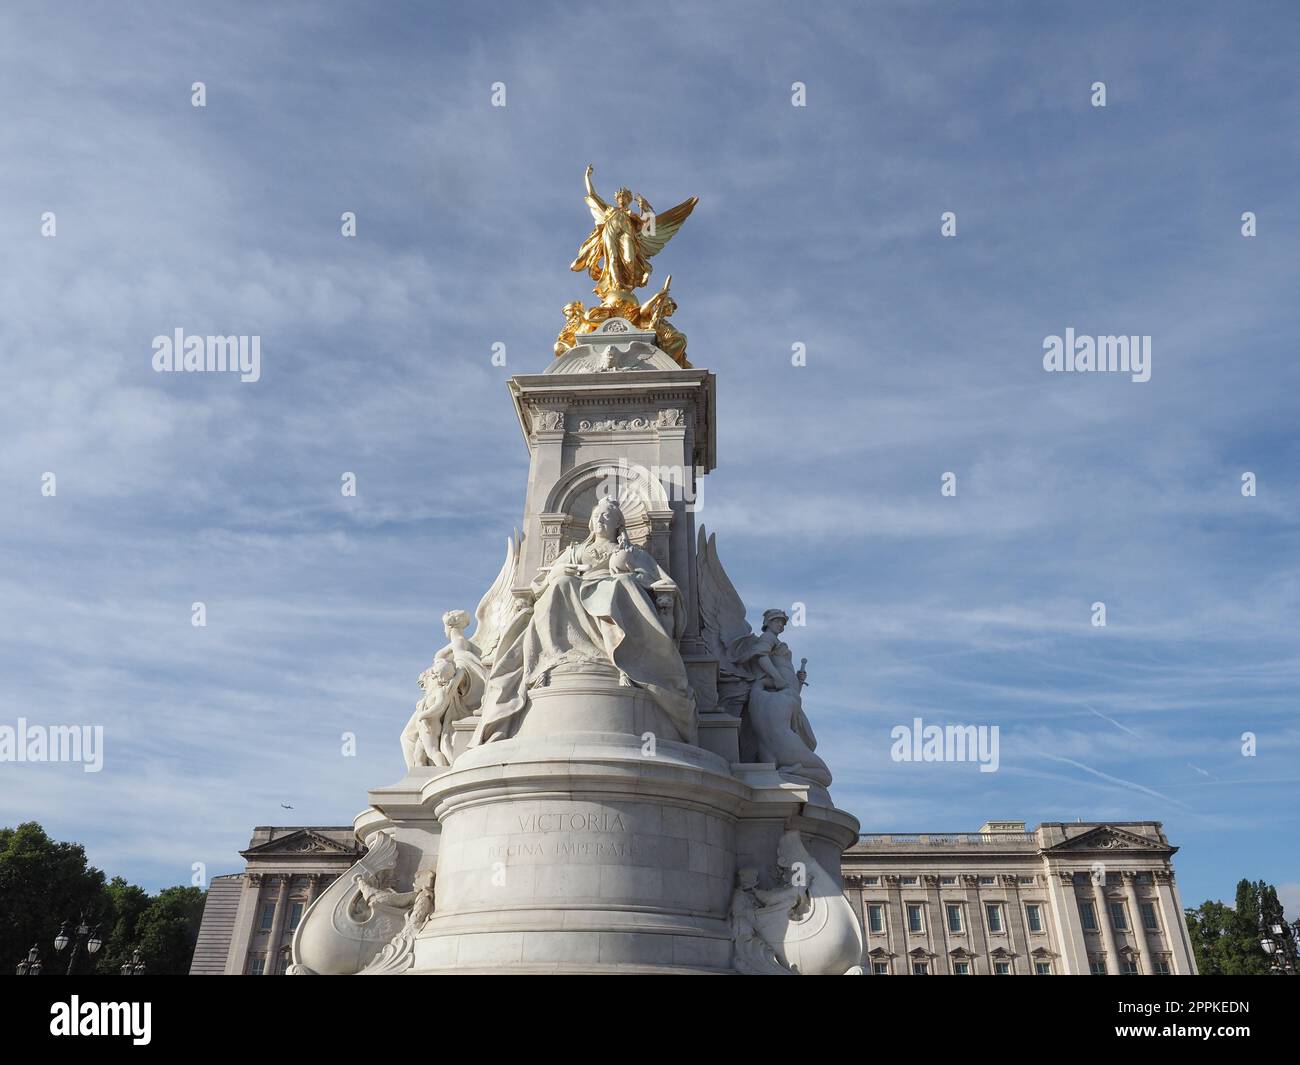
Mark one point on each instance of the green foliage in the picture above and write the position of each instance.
(1226, 939)
(44, 883)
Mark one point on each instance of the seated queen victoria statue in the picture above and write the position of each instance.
(603, 605)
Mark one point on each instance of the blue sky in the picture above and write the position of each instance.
(816, 225)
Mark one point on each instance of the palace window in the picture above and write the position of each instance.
(295, 915)
(915, 919)
(961, 968)
(1026, 880)
(1001, 968)
(1128, 966)
(994, 916)
(1034, 915)
(1042, 968)
(268, 917)
(257, 965)
(1118, 919)
(947, 881)
(1088, 915)
(1149, 921)
(880, 968)
(1162, 966)
(954, 919)
(986, 880)
(908, 881)
(920, 968)
(876, 918)
(873, 881)
(282, 963)
(1097, 965)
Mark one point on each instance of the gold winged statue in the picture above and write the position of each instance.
(616, 255)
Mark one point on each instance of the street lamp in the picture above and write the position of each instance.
(134, 967)
(1279, 944)
(30, 965)
(82, 931)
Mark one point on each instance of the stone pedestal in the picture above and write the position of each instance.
(578, 847)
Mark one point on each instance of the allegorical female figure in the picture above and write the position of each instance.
(774, 711)
(598, 604)
(617, 252)
(453, 687)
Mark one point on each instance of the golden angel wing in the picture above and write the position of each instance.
(666, 224)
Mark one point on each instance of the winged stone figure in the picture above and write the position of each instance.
(617, 252)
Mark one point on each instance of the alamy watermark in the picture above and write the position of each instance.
(676, 483)
(179, 353)
(920, 742)
(1103, 354)
(53, 743)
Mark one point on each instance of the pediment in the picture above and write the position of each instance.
(1002, 953)
(921, 953)
(304, 841)
(1042, 953)
(880, 953)
(1109, 839)
(960, 953)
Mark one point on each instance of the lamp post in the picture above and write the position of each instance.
(82, 932)
(134, 967)
(30, 965)
(1278, 940)
(1279, 943)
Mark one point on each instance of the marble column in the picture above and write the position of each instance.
(941, 964)
(1103, 920)
(245, 922)
(1139, 929)
(979, 942)
(1022, 962)
(1171, 915)
(1071, 942)
(277, 924)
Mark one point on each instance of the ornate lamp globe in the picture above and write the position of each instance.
(61, 940)
(1267, 944)
(95, 942)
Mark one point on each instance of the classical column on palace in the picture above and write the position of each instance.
(1181, 961)
(1139, 928)
(314, 881)
(1017, 934)
(1071, 943)
(979, 940)
(1104, 921)
(277, 923)
(242, 932)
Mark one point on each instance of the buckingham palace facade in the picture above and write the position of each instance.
(1060, 899)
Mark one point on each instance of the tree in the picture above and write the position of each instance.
(126, 903)
(44, 883)
(1226, 939)
(167, 930)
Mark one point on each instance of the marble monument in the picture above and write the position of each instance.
(612, 772)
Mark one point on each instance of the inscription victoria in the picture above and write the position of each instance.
(568, 821)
